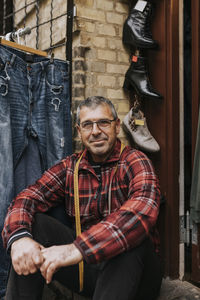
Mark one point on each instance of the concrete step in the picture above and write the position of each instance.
(178, 290)
(170, 290)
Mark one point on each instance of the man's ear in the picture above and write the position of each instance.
(78, 130)
(118, 127)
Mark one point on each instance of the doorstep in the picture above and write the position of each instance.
(178, 290)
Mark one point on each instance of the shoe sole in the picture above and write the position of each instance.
(138, 147)
(127, 87)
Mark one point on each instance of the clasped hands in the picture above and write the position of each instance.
(28, 257)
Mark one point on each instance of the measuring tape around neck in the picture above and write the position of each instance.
(77, 209)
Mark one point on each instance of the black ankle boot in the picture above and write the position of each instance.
(136, 30)
(137, 77)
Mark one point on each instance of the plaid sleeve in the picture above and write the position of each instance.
(47, 192)
(132, 223)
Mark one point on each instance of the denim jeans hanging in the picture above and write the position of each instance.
(6, 174)
(34, 102)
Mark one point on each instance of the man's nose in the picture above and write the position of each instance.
(95, 129)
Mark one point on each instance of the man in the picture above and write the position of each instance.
(118, 204)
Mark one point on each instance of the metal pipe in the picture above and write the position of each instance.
(69, 39)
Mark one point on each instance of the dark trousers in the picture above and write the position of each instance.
(132, 275)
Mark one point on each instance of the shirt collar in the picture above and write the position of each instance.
(114, 156)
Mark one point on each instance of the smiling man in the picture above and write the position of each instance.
(98, 129)
(112, 192)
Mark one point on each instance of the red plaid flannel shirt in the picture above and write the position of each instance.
(134, 210)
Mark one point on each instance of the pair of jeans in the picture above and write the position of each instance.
(34, 104)
(6, 180)
(135, 274)
(38, 95)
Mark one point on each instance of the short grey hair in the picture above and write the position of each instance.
(93, 102)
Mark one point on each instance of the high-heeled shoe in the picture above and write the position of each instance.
(137, 77)
(136, 29)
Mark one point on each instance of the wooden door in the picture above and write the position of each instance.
(195, 269)
(163, 122)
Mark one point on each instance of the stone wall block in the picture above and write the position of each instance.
(123, 106)
(79, 78)
(123, 56)
(115, 18)
(78, 52)
(79, 92)
(84, 25)
(122, 8)
(105, 5)
(80, 65)
(116, 68)
(85, 3)
(115, 44)
(106, 55)
(107, 81)
(106, 29)
(115, 94)
(91, 14)
(99, 42)
(98, 66)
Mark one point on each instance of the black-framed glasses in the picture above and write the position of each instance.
(102, 124)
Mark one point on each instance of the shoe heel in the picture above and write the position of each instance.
(128, 38)
(125, 36)
(126, 85)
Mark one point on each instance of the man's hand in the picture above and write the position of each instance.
(56, 257)
(26, 256)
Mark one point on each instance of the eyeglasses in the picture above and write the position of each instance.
(102, 124)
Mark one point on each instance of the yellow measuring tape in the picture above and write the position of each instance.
(77, 217)
(77, 210)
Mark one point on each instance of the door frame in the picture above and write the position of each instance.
(195, 8)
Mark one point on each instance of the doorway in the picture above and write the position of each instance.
(191, 107)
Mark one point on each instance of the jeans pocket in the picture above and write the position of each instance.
(3, 87)
(56, 74)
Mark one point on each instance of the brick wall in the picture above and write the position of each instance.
(99, 58)
(101, 62)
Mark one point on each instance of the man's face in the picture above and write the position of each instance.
(99, 140)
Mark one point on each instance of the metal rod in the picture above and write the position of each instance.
(25, 13)
(48, 21)
(70, 15)
(51, 22)
(18, 10)
(55, 46)
(13, 19)
(4, 13)
(37, 23)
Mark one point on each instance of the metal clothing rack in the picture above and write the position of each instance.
(7, 23)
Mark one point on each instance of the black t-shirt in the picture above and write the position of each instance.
(96, 166)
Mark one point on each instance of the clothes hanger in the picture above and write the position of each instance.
(22, 47)
(9, 40)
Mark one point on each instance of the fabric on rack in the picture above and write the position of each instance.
(29, 168)
(39, 105)
(6, 175)
(195, 189)
(34, 114)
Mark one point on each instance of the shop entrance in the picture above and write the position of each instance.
(194, 252)
(175, 131)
